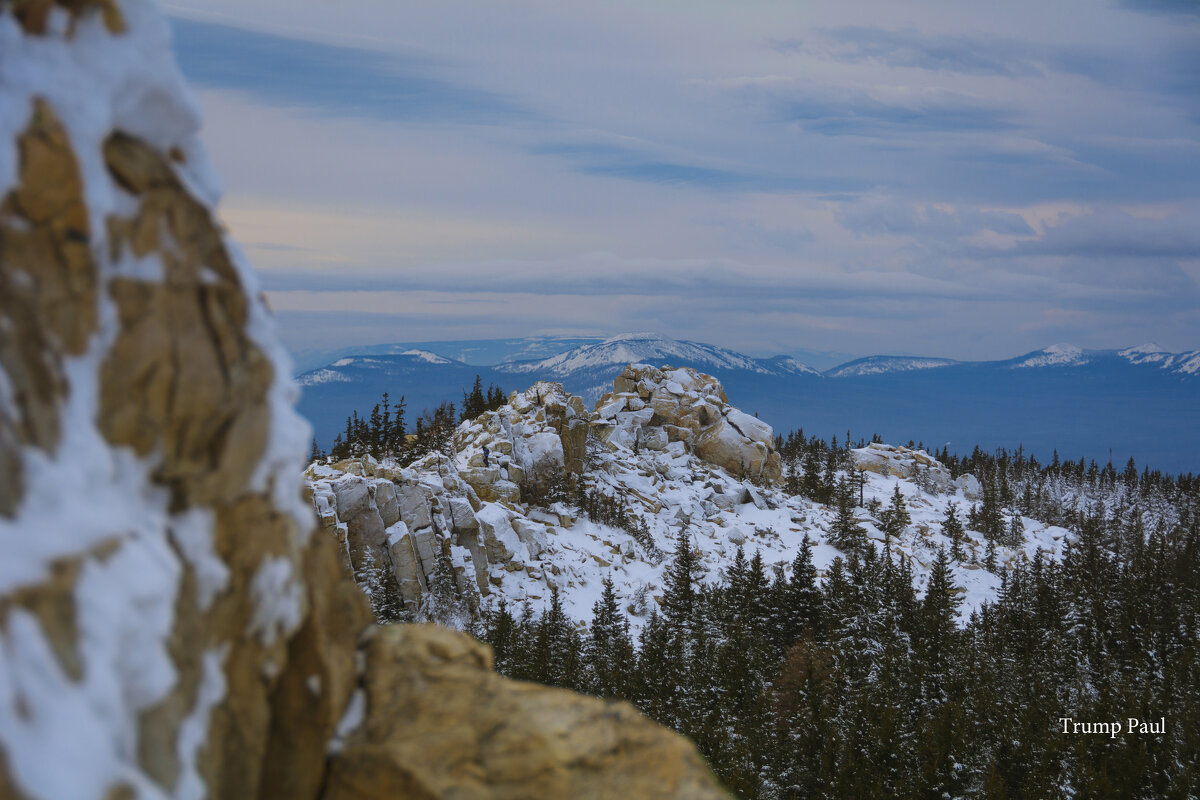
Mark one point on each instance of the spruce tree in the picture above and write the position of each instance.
(608, 651)
(952, 529)
(680, 592)
(895, 518)
(799, 599)
(846, 534)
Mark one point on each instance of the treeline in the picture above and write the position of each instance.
(1060, 492)
(858, 686)
(1063, 492)
(383, 434)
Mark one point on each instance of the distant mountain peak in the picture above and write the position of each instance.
(1056, 355)
(1148, 347)
(879, 365)
(791, 365)
(632, 348)
(1179, 363)
(426, 355)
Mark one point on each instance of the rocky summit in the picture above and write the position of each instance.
(565, 497)
(170, 624)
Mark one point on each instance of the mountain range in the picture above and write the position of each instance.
(1138, 402)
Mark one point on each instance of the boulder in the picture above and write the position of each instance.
(500, 541)
(440, 724)
(723, 445)
(689, 407)
(532, 535)
(968, 484)
(654, 439)
(413, 501)
(386, 502)
(902, 462)
(353, 497)
(406, 566)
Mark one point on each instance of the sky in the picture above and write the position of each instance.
(968, 180)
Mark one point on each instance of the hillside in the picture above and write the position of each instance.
(666, 446)
(810, 634)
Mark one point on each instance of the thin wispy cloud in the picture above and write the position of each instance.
(332, 79)
(749, 176)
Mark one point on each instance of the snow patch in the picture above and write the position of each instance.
(192, 533)
(193, 731)
(278, 600)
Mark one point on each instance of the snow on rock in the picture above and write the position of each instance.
(667, 445)
(168, 626)
(156, 551)
(686, 406)
(901, 462)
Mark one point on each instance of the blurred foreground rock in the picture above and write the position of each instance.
(170, 626)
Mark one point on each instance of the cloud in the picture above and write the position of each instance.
(972, 55)
(1173, 67)
(1112, 233)
(878, 213)
(1185, 8)
(643, 164)
(955, 183)
(332, 79)
(926, 112)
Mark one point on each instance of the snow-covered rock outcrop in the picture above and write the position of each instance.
(651, 407)
(170, 625)
(666, 447)
(661, 432)
(902, 462)
(535, 438)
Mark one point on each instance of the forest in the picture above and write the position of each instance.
(860, 684)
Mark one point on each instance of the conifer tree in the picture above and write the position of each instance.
(556, 655)
(608, 651)
(798, 599)
(499, 633)
(895, 518)
(952, 529)
(680, 592)
(846, 534)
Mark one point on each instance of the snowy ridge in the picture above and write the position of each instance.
(425, 355)
(337, 371)
(1181, 363)
(790, 365)
(880, 365)
(635, 348)
(1056, 355)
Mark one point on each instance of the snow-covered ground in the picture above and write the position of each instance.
(671, 488)
(674, 491)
